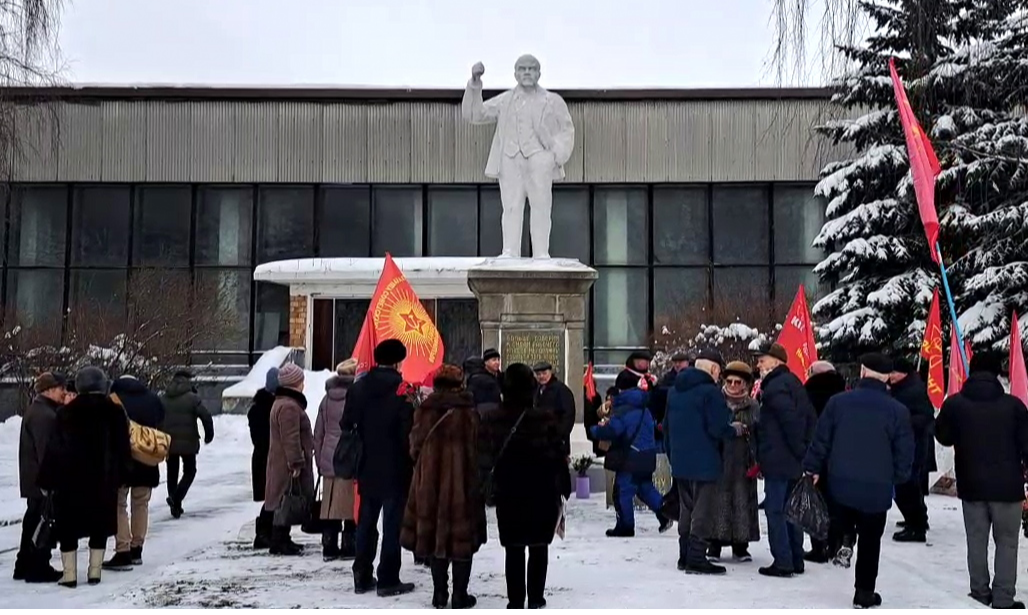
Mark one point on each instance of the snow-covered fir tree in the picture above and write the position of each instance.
(878, 259)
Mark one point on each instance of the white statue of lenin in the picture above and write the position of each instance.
(533, 141)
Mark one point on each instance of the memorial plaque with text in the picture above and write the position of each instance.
(530, 347)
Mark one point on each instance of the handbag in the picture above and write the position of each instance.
(489, 485)
(149, 446)
(616, 459)
(346, 459)
(295, 506)
(43, 537)
(314, 523)
(562, 519)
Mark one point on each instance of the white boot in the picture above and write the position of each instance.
(96, 562)
(69, 561)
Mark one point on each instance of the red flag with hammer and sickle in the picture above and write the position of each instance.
(797, 337)
(931, 351)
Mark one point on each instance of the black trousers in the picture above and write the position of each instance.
(177, 490)
(95, 542)
(30, 559)
(521, 584)
(391, 511)
(910, 501)
(868, 528)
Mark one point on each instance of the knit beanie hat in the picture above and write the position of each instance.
(271, 380)
(290, 376)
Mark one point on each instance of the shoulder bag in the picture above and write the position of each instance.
(489, 485)
(149, 446)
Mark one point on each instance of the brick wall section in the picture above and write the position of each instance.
(297, 321)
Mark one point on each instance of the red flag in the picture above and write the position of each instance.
(797, 336)
(931, 351)
(589, 381)
(396, 312)
(924, 165)
(1018, 373)
(957, 373)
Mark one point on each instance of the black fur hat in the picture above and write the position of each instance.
(390, 352)
(92, 381)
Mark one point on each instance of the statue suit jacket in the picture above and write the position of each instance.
(552, 125)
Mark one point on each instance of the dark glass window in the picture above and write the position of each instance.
(344, 222)
(680, 296)
(98, 294)
(285, 223)
(161, 224)
(457, 321)
(271, 318)
(619, 231)
(100, 231)
(799, 216)
(787, 282)
(490, 225)
(740, 225)
(39, 223)
(621, 299)
(681, 231)
(452, 221)
(349, 318)
(35, 298)
(569, 235)
(228, 291)
(742, 294)
(224, 226)
(398, 221)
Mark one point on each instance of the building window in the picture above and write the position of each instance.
(100, 230)
(227, 290)
(569, 235)
(619, 231)
(271, 319)
(224, 226)
(98, 296)
(452, 221)
(490, 224)
(681, 231)
(398, 221)
(787, 282)
(349, 318)
(39, 223)
(740, 225)
(620, 308)
(161, 221)
(344, 222)
(799, 216)
(35, 299)
(285, 223)
(681, 295)
(742, 294)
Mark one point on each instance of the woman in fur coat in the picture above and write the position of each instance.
(445, 512)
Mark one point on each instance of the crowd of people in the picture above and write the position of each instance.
(80, 479)
(432, 460)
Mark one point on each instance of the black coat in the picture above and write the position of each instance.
(182, 409)
(913, 393)
(144, 407)
(383, 419)
(822, 387)
(658, 399)
(36, 428)
(865, 447)
(786, 425)
(86, 462)
(988, 430)
(558, 399)
(259, 418)
(529, 478)
(481, 383)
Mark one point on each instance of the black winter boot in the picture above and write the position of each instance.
(866, 600)
(363, 582)
(330, 545)
(441, 583)
(262, 540)
(121, 561)
(281, 544)
(137, 556)
(461, 577)
(910, 534)
(348, 548)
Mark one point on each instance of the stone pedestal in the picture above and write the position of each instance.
(535, 310)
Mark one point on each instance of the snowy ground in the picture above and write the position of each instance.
(203, 559)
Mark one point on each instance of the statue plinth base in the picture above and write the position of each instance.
(534, 310)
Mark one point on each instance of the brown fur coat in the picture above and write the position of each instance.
(445, 515)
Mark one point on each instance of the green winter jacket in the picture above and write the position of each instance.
(182, 408)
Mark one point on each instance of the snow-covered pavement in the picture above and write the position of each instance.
(203, 559)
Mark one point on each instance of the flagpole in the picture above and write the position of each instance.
(952, 309)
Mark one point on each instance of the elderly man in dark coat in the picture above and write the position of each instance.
(908, 389)
(33, 564)
(259, 419)
(182, 409)
(822, 384)
(865, 446)
(144, 407)
(86, 462)
(382, 418)
(482, 382)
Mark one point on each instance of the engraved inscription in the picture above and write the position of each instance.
(530, 347)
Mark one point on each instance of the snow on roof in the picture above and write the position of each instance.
(254, 381)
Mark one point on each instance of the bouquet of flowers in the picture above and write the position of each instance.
(414, 392)
(582, 464)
